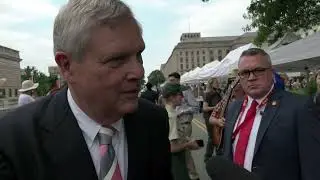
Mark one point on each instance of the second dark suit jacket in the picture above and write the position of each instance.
(288, 140)
(42, 141)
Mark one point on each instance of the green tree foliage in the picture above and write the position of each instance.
(311, 88)
(273, 18)
(38, 77)
(156, 78)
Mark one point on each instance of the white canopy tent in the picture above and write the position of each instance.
(184, 77)
(298, 55)
(192, 76)
(207, 70)
(230, 62)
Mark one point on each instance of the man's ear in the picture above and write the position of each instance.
(63, 60)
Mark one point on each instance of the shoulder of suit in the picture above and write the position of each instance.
(147, 107)
(24, 118)
(293, 97)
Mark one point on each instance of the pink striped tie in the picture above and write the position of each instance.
(109, 167)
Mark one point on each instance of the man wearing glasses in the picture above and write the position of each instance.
(271, 132)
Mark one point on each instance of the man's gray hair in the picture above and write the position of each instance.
(76, 20)
(256, 51)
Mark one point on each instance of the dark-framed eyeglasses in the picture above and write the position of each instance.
(245, 74)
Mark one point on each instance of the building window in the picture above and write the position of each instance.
(181, 66)
(198, 61)
(211, 52)
(187, 66)
(192, 60)
(198, 64)
(197, 52)
(2, 93)
(192, 66)
(16, 92)
(180, 53)
(203, 58)
(211, 59)
(186, 53)
(203, 64)
(181, 60)
(227, 51)
(219, 52)
(220, 58)
(187, 60)
(203, 52)
(191, 53)
(10, 92)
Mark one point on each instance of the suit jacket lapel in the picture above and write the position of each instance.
(63, 141)
(137, 134)
(232, 117)
(132, 144)
(269, 112)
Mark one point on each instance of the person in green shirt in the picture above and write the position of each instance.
(172, 94)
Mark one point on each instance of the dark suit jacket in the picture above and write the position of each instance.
(288, 140)
(42, 141)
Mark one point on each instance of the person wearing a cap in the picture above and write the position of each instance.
(26, 92)
(172, 94)
(186, 111)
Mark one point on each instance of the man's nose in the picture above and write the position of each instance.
(251, 76)
(135, 69)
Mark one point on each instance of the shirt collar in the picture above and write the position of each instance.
(89, 127)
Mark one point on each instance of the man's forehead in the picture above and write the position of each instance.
(252, 62)
(125, 37)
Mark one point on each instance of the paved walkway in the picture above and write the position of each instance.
(199, 132)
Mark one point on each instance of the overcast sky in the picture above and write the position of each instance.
(26, 25)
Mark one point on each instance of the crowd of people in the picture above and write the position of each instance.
(97, 127)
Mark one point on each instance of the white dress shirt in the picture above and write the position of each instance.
(254, 131)
(90, 129)
(25, 99)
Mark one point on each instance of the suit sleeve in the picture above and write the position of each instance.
(309, 141)
(161, 151)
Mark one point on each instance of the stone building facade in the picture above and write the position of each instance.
(195, 51)
(9, 69)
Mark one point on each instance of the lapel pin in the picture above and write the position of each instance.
(274, 103)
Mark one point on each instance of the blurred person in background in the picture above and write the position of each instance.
(180, 144)
(212, 98)
(27, 92)
(185, 112)
(278, 81)
(150, 94)
(2, 81)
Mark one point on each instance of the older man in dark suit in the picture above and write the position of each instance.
(96, 128)
(272, 133)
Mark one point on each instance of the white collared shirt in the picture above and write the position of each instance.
(25, 99)
(90, 129)
(254, 131)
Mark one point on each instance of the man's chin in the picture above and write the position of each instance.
(129, 107)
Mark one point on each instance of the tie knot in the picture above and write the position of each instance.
(105, 135)
(254, 103)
